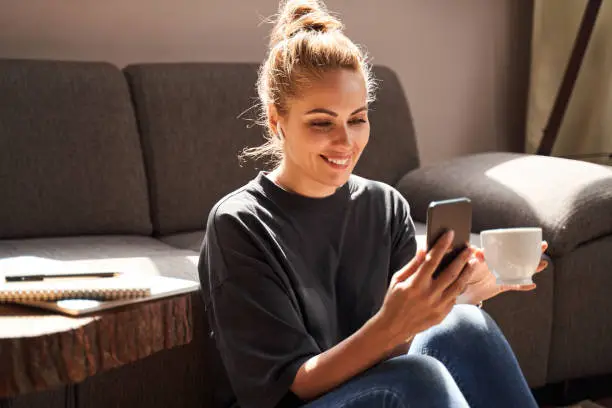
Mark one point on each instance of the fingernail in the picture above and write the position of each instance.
(450, 235)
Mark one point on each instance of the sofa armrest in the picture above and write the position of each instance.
(570, 200)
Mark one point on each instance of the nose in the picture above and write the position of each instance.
(343, 137)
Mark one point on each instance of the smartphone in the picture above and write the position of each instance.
(454, 214)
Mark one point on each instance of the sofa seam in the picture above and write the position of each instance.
(140, 111)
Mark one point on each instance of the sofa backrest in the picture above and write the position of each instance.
(70, 157)
(191, 135)
(392, 150)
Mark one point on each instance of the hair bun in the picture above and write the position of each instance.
(302, 15)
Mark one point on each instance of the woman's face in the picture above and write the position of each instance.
(324, 131)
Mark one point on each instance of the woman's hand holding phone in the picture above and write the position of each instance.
(415, 300)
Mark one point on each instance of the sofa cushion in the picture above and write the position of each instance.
(526, 319)
(70, 156)
(571, 200)
(185, 240)
(191, 135)
(582, 330)
(129, 254)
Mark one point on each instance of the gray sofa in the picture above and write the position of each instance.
(109, 168)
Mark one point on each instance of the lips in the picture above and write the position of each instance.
(337, 161)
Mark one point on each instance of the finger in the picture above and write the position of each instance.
(544, 246)
(517, 288)
(453, 271)
(478, 252)
(435, 254)
(411, 267)
(459, 285)
(543, 265)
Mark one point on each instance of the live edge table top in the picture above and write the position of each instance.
(40, 350)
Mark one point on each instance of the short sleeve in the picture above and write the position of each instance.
(403, 239)
(257, 324)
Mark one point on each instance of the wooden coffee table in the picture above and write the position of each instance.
(41, 351)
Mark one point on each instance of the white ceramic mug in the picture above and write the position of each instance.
(512, 254)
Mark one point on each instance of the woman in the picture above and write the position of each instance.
(315, 290)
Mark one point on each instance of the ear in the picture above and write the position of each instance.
(273, 118)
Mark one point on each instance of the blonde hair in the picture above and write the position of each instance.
(306, 42)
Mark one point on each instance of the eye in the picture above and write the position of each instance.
(320, 124)
(357, 121)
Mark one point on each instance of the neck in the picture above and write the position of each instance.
(288, 180)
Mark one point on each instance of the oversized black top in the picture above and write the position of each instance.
(286, 277)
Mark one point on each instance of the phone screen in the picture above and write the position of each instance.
(456, 215)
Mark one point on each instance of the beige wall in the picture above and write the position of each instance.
(462, 63)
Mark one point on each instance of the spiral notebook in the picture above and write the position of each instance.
(81, 296)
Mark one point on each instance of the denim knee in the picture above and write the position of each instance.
(413, 378)
(470, 321)
(473, 349)
(401, 382)
(466, 328)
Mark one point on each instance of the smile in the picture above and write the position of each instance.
(336, 162)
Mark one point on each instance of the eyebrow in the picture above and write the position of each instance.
(332, 113)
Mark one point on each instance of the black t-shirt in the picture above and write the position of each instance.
(286, 277)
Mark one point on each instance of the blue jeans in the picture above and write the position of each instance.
(463, 362)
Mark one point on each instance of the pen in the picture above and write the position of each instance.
(29, 278)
